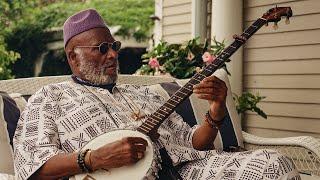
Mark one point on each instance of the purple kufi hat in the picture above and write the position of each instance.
(80, 22)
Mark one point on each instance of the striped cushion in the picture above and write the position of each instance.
(193, 110)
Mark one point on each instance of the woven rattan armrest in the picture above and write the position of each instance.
(303, 150)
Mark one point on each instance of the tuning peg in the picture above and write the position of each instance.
(266, 24)
(275, 26)
(287, 20)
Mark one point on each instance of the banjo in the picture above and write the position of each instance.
(148, 166)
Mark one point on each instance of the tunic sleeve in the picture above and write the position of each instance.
(180, 132)
(176, 136)
(36, 138)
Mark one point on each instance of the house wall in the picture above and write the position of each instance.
(284, 66)
(176, 20)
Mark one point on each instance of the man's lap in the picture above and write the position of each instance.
(259, 164)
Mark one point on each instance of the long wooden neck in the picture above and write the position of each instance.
(154, 120)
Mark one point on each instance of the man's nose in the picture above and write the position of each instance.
(112, 54)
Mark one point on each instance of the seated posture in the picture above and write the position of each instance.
(61, 118)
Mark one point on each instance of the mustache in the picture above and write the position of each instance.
(105, 65)
(109, 63)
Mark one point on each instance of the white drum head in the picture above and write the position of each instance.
(132, 172)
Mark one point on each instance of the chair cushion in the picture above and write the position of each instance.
(10, 107)
(193, 111)
(6, 177)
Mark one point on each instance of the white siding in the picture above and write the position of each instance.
(284, 65)
(176, 18)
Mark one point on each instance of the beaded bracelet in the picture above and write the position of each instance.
(213, 123)
(81, 162)
(86, 165)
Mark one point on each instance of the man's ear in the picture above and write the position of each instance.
(72, 58)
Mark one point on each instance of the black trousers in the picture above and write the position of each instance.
(168, 171)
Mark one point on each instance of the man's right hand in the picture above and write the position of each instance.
(123, 152)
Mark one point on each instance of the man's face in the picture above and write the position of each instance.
(94, 66)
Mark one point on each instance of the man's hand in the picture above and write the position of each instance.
(215, 91)
(123, 152)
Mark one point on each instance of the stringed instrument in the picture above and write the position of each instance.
(148, 166)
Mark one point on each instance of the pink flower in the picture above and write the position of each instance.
(208, 58)
(153, 63)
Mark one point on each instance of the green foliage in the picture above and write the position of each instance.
(6, 59)
(249, 101)
(131, 15)
(29, 41)
(180, 60)
(23, 25)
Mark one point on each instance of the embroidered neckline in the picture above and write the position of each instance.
(78, 80)
(136, 112)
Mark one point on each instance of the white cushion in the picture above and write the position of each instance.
(6, 165)
(308, 177)
(6, 177)
(6, 152)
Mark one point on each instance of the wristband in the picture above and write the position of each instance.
(87, 166)
(80, 160)
(213, 123)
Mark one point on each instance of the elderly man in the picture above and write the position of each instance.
(61, 118)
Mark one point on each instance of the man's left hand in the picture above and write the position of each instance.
(215, 91)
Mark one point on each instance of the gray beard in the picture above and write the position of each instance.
(97, 76)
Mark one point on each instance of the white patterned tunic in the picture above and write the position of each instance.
(62, 118)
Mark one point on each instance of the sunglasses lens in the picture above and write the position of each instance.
(116, 45)
(103, 48)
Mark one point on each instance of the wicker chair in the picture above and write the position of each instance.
(303, 150)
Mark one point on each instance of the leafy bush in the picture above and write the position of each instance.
(30, 41)
(180, 60)
(131, 15)
(23, 25)
(6, 59)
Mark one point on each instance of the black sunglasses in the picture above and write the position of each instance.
(104, 46)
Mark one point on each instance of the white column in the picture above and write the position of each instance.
(157, 31)
(198, 19)
(227, 20)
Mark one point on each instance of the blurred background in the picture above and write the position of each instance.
(31, 42)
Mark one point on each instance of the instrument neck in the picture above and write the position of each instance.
(154, 120)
